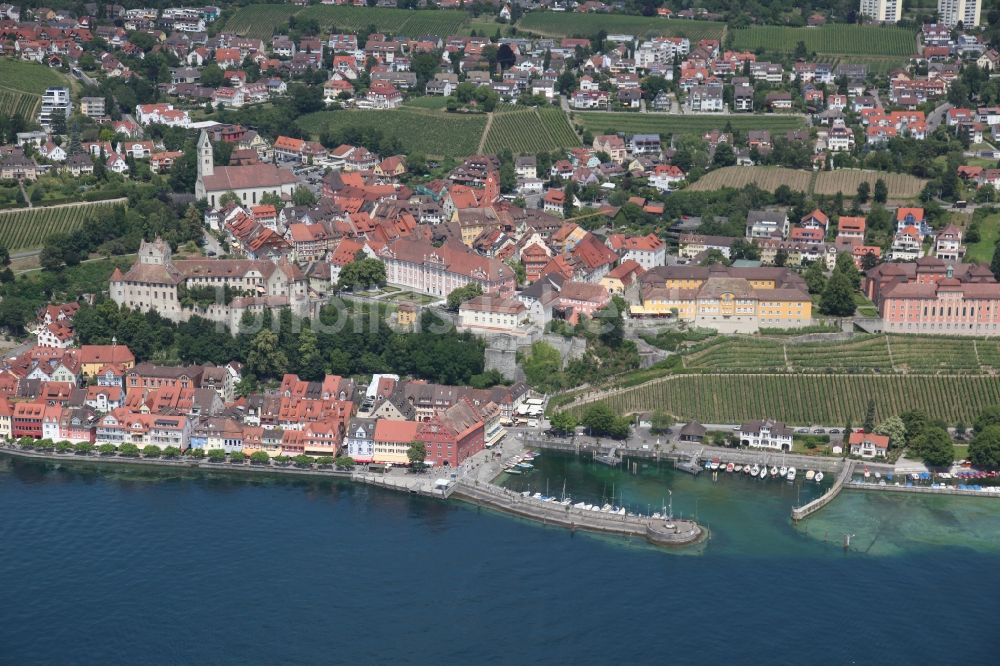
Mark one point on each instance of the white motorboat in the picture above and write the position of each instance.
(737, 469)
(774, 471)
(746, 469)
(782, 471)
(755, 469)
(763, 472)
(810, 474)
(867, 473)
(819, 476)
(791, 474)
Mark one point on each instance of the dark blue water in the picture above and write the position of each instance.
(100, 566)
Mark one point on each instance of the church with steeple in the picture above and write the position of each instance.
(249, 183)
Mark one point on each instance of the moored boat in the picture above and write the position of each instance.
(755, 469)
(738, 469)
(819, 476)
(791, 474)
(774, 471)
(810, 474)
(714, 465)
(730, 467)
(763, 472)
(782, 471)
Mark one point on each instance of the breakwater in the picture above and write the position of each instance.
(657, 531)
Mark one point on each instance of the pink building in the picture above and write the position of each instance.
(947, 306)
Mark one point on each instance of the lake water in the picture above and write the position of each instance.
(119, 566)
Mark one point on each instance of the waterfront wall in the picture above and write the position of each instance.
(919, 490)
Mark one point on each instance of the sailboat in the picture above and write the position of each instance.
(774, 470)
(791, 474)
(783, 470)
(746, 468)
(819, 476)
(754, 470)
(763, 472)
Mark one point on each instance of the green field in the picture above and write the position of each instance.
(22, 84)
(599, 122)
(29, 227)
(989, 234)
(809, 399)
(433, 133)
(530, 131)
(840, 39)
(565, 24)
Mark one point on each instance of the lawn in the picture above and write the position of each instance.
(989, 234)
(836, 39)
(564, 24)
(433, 133)
(599, 122)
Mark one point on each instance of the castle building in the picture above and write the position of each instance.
(156, 282)
(249, 182)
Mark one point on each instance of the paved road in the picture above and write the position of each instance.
(936, 117)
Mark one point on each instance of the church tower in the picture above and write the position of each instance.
(206, 159)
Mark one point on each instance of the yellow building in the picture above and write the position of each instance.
(406, 316)
(728, 304)
(392, 439)
(94, 357)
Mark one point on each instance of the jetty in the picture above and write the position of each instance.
(806, 510)
(658, 531)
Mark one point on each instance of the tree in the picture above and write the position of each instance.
(197, 454)
(362, 273)
(541, 366)
(463, 294)
(563, 422)
(990, 416)
(661, 421)
(324, 461)
(106, 449)
(417, 454)
(260, 458)
(984, 449)
(864, 191)
(344, 462)
(217, 455)
(915, 421)
(569, 194)
(151, 451)
(303, 460)
(781, 257)
(84, 447)
(935, 447)
(237, 457)
(212, 76)
(724, 156)
(995, 262)
(265, 359)
(881, 191)
(171, 452)
(837, 298)
(815, 278)
(64, 446)
(303, 196)
(894, 428)
(869, 424)
(129, 450)
(601, 420)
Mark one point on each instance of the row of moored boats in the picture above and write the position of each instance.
(521, 464)
(762, 471)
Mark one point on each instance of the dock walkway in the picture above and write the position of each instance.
(806, 510)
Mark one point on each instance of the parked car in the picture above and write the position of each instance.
(819, 431)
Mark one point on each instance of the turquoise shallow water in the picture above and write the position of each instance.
(116, 566)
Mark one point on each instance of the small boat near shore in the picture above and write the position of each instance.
(782, 471)
(755, 470)
(819, 477)
(774, 471)
(791, 474)
(763, 472)
(746, 469)
(810, 474)
(730, 467)
(738, 468)
(513, 470)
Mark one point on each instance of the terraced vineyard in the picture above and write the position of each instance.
(600, 122)
(901, 185)
(808, 399)
(433, 133)
(19, 103)
(22, 84)
(394, 21)
(565, 24)
(529, 131)
(838, 39)
(869, 354)
(28, 227)
(766, 178)
(259, 20)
